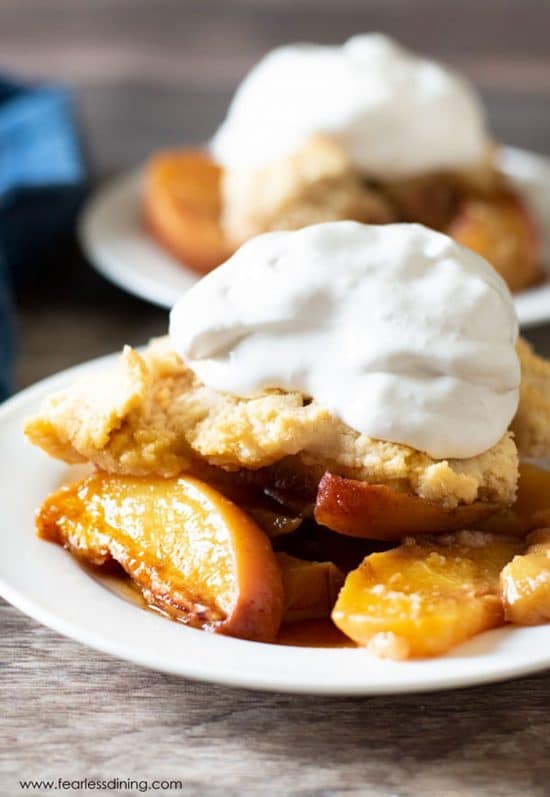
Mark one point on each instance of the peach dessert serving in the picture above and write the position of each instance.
(364, 131)
(334, 432)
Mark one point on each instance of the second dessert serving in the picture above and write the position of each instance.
(365, 131)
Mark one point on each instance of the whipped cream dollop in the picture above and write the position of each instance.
(395, 114)
(399, 331)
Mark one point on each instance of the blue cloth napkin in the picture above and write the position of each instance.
(42, 183)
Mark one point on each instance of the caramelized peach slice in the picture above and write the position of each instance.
(501, 230)
(183, 205)
(525, 582)
(310, 588)
(531, 509)
(192, 552)
(378, 512)
(425, 596)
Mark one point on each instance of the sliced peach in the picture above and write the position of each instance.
(525, 582)
(425, 596)
(182, 203)
(193, 553)
(378, 512)
(310, 588)
(502, 231)
(531, 509)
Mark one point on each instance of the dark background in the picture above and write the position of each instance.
(149, 74)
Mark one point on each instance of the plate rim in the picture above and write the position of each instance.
(281, 682)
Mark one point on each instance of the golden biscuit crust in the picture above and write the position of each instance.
(150, 415)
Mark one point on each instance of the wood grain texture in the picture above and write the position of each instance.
(75, 713)
(155, 74)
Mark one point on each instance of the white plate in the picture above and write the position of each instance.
(117, 244)
(47, 583)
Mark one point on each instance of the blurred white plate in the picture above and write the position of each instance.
(47, 583)
(118, 246)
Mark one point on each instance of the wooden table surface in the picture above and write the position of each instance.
(148, 75)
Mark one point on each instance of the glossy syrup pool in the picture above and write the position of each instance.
(321, 633)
